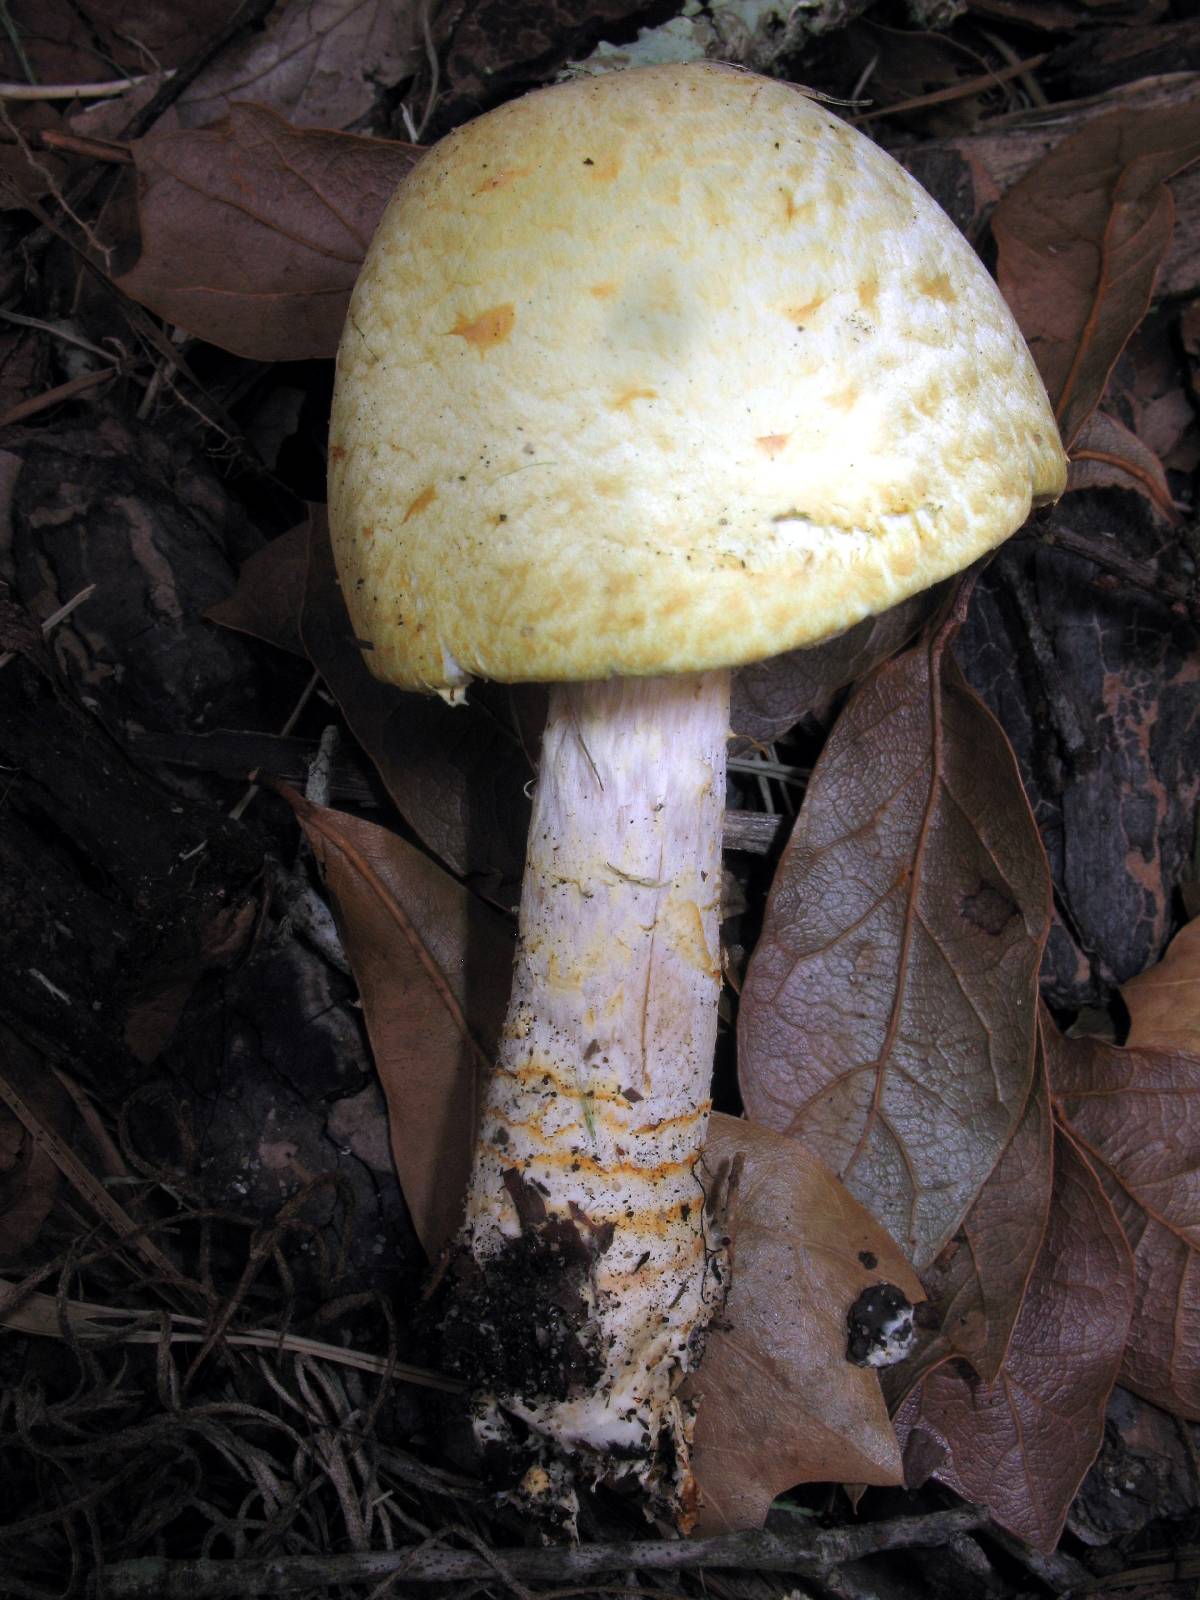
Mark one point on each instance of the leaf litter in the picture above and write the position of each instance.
(839, 1054)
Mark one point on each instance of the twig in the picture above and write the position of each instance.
(250, 15)
(53, 397)
(73, 91)
(94, 149)
(64, 611)
(957, 91)
(1103, 553)
(1028, 82)
(57, 332)
(297, 710)
(95, 243)
(802, 1551)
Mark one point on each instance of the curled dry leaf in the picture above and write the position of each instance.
(1081, 238)
(771, 696)
(320, 62)
(1164, 1003)
(253, 231)
(270, 592)
(457, 773)
(1021, 1445)
(976, 1287)
(888, 1019)
(1137, 1115)
(1107, 454)
(779, 1403)
(433, 966)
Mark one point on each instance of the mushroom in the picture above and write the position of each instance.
(645, 377)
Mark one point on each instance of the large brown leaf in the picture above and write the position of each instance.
(1081, 238)
(253, 231)
(1108, 454)
(88, 41)
(457, 773)
(771, 696)
(977, 1285)
(433, 966)
(1164, 1003)
(1137, 1114)
(321, 62)
(270, 592)
(1021, 1445)
(888, 1017)
(779, 1402)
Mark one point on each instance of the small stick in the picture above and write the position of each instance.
(64, 611)
(309, 689)
(957, 91)
(74, 91)
(803, 1552)
(43, 402)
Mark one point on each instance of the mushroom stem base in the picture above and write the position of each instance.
(585, 1272)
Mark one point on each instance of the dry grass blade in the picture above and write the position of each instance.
(38, 1313)
(87, 1186)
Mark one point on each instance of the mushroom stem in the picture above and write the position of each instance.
(585, 1228)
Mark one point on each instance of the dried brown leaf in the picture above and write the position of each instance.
(433, 966)
(1021, 1445)
(779, 1402)
(888, 1017)
(165, 985)
(457, 773)
(320, 62)
(771, 696)
(1164, 1003)
(976, 1287)
(270, 592)
(253, 231)
(1107, 454)
(1081, 238)
(90, 41)
(1137, 1115)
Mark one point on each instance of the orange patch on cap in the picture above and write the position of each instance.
(488, 329)
(801, 314)
(938, 287)
(501, 180)
(627, 396)
(603, 170)
(845, 399)
(772, 443)
(868, 293)
(423, 500)
(602, 291)
(794, 211)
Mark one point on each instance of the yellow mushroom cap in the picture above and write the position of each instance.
(662, 371)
